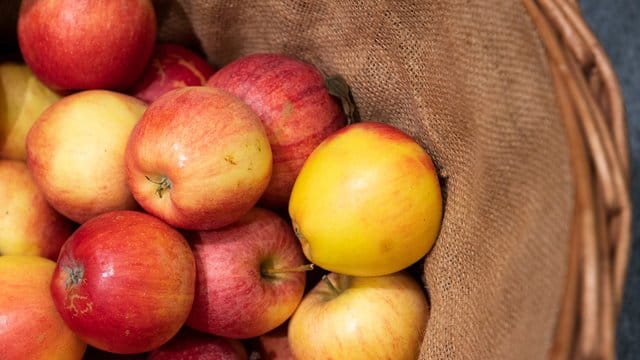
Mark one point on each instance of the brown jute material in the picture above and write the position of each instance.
(469, 80)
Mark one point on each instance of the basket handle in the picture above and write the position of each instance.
(592, 108)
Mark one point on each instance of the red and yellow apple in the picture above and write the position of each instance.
(297, 110)
(250, 276)
(75, 152)
(358, 318)
(199, 158)
(84, 44)
(172, 66)
(124, 282)
(28, 224)
(30, 326)
(22, 99)
(193, 345)
(367, 201)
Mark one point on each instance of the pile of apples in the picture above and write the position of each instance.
(153, 204)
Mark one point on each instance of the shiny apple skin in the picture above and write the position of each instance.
(172, 66)
(234, 297)
(83, 44)
(293, 103)
(124, 282)
(212, 149)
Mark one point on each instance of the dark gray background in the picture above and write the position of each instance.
(617, 25)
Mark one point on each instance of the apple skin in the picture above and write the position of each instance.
(22, 99)
(367, 201)
(377, 317)
(236, 297)
(30, 326)
(28, 224)
(189, 344)
(199, 158)
(124, 282)
(172, 66)
(297, 110)
(83, 44)
(75, 152)
(274, 345)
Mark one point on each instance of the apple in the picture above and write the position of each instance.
(250, 276)
(297, 110)
(367, 201)
(193, 345)
(199, 158)
(83, 44)
(28, 224)
(274, 345)
(75, 152)
(349, 317)
(124, 282)
(22, 99)
(172, 66)
(30, 326)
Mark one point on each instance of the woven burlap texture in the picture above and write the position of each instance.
(469, 80)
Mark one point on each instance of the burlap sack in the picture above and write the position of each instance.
(469, 80)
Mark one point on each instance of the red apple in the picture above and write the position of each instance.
(274, 345)
(249, 277)
(172, 66)
(348, 317)
(194, 345)
(199, 158)
(85, 44)
(124, 282)
(75, 151)
(298, 113)
(28, 224)
(30, 326)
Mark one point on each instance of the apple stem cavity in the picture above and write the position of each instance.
(330, 284)
(163, 182)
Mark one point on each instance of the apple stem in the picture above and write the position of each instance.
(163, 184)
(301, 268)
(330, 283)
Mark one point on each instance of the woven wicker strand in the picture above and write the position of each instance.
(592, 107)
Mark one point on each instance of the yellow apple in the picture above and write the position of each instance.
(367, 201)
(22, 99)
(30, 326)
(358, 318)
(28, 224)
(75, 152)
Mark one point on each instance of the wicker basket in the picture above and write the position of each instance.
(592, 108)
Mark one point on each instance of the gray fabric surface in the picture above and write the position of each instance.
(617, 25)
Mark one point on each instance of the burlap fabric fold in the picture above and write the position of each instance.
(469, 80)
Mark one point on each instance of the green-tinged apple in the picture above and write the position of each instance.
(30, 326)
(124, 282)
(22, 99)
(250, 276)
(189, 344)
(367, 201)
(293, 103)
(360, 318)
(75, 152)
(199, 158)
(172, 66)
(28, 224)
(87, 44)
